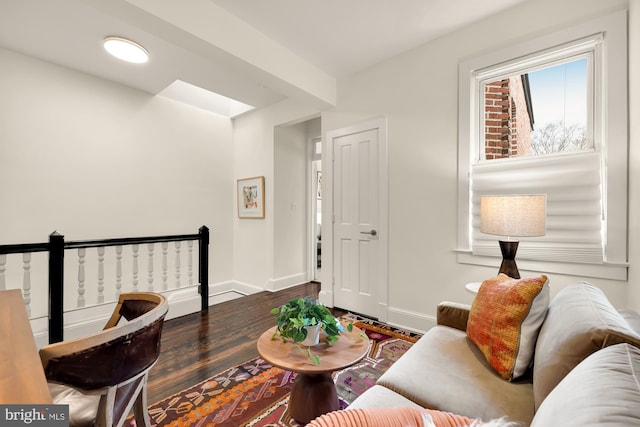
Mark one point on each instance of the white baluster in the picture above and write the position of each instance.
(100, 274)
(190, 261)
(134, 249)
(26, 281)
(150, 246)
(3, 264)
(177, 264)
(118, 270)
(165, 247)
(82, 252)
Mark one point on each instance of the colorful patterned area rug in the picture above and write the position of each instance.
(255, 394)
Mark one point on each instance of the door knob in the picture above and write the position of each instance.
(372, 232)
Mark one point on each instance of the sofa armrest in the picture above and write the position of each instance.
(453, 314)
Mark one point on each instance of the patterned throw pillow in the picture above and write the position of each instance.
(505, 319)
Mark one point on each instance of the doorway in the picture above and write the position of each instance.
(316, 208)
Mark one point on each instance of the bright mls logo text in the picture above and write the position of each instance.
(36, 415)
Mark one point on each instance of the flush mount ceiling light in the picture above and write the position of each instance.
(126, 50)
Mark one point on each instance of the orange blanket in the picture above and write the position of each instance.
(390, 417)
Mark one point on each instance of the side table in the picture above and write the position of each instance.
(473, 287)
(314, 392)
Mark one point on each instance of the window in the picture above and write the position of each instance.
(550, 116)
(539, 110)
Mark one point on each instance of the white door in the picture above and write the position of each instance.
(359, 220)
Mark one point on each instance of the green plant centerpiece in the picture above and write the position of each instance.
(295, 316)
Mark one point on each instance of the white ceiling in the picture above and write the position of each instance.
(345, 36)
(255, 51)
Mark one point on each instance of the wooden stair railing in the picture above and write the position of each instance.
(56, 247)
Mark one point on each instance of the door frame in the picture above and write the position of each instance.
(312, 206)
(327, 273)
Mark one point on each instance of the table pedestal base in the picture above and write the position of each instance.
(312, 396)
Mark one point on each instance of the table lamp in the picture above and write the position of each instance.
(512, 216)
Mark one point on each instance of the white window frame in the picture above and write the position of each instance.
(610, 138)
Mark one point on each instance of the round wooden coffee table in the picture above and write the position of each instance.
(314, 392)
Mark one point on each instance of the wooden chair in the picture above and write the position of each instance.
(103, 377)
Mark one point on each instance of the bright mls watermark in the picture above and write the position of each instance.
(34, 415)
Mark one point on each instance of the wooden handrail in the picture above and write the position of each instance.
(129, 241)
(23, 248)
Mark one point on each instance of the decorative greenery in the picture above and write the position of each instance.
(293, 318)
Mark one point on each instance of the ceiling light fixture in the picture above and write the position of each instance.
(126, 50)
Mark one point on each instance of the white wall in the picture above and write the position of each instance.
(292, 202)
(417, 92)
(94, 159)
(291, 215)
(254, 141)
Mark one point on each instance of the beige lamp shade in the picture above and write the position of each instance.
(513, 215)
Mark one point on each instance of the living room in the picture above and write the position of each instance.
(93, 158)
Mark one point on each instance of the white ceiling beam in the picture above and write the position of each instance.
(222, 36)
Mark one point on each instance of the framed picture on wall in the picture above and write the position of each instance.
(250, 194)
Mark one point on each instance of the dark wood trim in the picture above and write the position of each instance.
(56, 287)
(203, 269)
(129, 241)
(23, 248)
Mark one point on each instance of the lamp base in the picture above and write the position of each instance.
(508, 266)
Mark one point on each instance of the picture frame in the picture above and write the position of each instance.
(250, 196)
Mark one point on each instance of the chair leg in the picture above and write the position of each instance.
(104, 417)
(140, 411)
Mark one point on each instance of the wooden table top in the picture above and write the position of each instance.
(22, 379)
(350, 348)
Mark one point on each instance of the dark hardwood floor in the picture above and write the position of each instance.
(199, 345)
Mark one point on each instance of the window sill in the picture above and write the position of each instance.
(601, 271)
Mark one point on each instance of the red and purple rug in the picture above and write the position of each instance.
(256, 394)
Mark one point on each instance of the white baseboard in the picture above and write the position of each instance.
(326, 298)
(183, 302)
(286, 282)
(77, 323)
(410, 320)
(90, 320)
(245, 288)
(405, 319)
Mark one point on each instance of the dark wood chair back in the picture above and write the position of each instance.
(103, 376)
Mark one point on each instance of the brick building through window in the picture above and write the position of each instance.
(508, 118)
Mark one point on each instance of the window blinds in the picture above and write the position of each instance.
(573, 185)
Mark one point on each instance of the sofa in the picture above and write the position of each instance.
(584, 369)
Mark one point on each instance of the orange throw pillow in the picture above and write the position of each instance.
(505, 319)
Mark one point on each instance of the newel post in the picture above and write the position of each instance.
(56, 287)
(203, 273)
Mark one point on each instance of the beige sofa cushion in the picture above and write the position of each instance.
(580, 321)
(381, 397)
(444, 370)
(603, 390)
